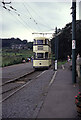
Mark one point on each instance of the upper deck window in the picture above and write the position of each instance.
(39, 41)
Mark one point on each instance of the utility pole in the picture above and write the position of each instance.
(56, 49)
(74, 41)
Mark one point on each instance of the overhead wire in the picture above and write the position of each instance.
(31, 17)
(21, 17)
(26, 24)
(43, 24)
(20, 20)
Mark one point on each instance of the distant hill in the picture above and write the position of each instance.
(65, 41)
(9, 42)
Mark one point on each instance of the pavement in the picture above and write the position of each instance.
(60, 100)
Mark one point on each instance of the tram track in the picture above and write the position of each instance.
(15, 79)
(19, 83)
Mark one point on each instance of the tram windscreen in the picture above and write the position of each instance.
(39, 41)
(39, 55)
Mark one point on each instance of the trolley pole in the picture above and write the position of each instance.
(74, 41)
(56, 50)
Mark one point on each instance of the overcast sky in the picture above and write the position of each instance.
(28, 17)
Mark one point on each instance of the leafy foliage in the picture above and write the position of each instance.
(65, 41)
(78, 99)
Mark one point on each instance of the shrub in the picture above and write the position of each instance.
(78, 99)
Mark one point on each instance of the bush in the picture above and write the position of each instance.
(78, 99)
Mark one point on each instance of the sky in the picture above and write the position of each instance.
(32, 16)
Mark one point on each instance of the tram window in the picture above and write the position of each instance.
(34, 41)
(46, 41)
(46, 55)
(39, 41)
(39, 55)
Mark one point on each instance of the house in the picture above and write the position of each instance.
(19, 46)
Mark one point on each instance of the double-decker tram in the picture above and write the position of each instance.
(42, 52)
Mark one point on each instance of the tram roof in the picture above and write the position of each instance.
(41, 38)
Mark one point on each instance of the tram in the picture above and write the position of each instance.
(42, 52)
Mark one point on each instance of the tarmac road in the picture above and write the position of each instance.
(27, 102)
(15, 71)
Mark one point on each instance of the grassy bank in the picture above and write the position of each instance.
(11, 57)
(62, 62)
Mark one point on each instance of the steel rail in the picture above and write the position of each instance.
(15, 79)
(21, 87)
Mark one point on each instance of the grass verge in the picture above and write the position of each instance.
(11, 57)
